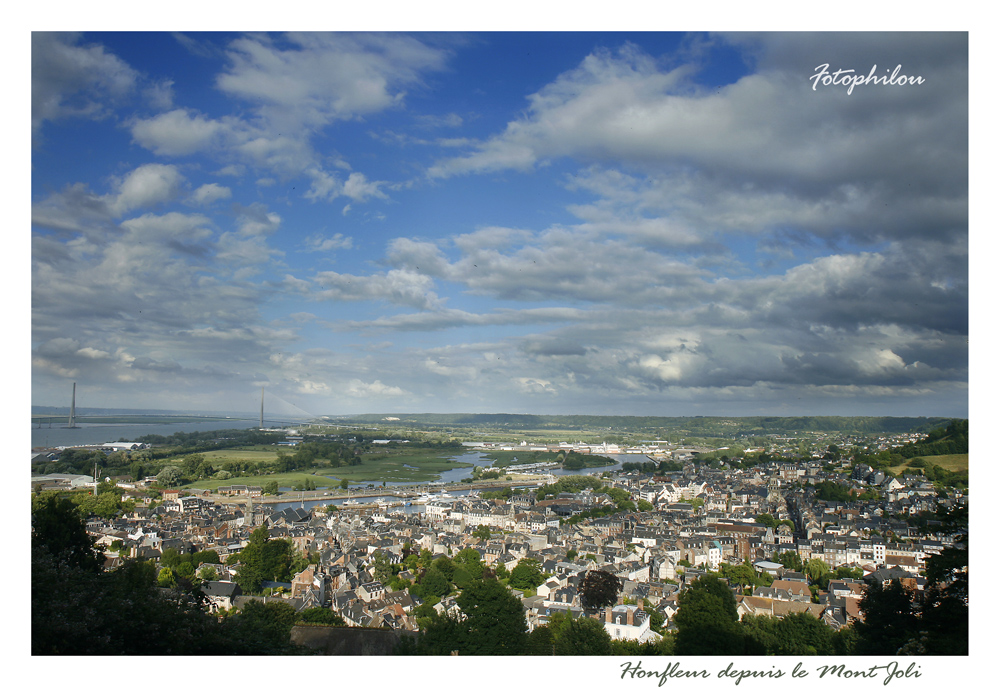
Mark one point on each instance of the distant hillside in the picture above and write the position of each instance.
(698, 426)
(945, 440)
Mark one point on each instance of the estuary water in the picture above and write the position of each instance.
(98, 433)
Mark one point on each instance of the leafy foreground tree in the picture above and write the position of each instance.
(890, 619)
(583, 637)
(796, 634)
(707, 620)
(76, 609)
(264, 559)
(633, 647)
(58, 530)
(494, 625)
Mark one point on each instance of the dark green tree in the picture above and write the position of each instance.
(558, 623)
(170, 557)
(191, 465)
(264, 559)
(137, 470)
(744, 575)
(633, 647)
(321, 616)
(462, 578)
(584, 637)
(494, 622)
(767, 520)
(790, 560)
(270, 622)
(599, 588)
(889, 619)
(468, 561)
(707, 620)
(185, 569)
(205, 556)
(57, 528)
(526, 575)
(435, 583)
(796, 634)
(540, 642)
(446, 566)
(383, 569)
(442, 635)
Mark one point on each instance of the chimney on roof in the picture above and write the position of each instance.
(629, 615)
(607, 615)
(640, 604)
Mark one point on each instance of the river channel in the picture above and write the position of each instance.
(448, 477)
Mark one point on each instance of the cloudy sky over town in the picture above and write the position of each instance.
(602, 223)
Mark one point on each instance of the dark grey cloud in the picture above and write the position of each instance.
(74, 79)
(553, 347)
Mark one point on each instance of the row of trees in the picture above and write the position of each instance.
(570, 484)
(648, 467)
(833, 491)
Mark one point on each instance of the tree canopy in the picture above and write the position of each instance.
(583, 637)
(526, 575)
(494, 624)
(599, 588)
(796, 634)
(707, 619)
(57, 528)
(889, 619)
(264, 559)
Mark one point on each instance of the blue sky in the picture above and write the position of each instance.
(606, 223)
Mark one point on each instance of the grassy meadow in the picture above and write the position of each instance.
(956, 462)
(384, 465)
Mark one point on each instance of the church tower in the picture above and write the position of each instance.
(774, 492)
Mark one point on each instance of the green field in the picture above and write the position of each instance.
(398, 465)
(957, 462)
(387, 465)
(249, 453)
(502, 459)
(285, 479)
